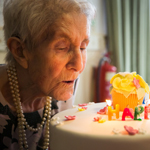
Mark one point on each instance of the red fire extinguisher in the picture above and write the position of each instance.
(105, 72)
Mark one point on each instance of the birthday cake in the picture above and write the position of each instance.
(88, 128)
(128, 89)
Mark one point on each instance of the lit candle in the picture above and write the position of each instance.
(126, 112)
(111, 111)
(109, 102)
(138, 111)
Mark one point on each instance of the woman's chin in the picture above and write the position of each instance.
(63, 96)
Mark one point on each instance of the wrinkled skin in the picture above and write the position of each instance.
(53, 67)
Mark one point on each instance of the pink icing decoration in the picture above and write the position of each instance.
(70, 117)
(84, 107)
(102, 111)
(130, 130)
(97, 118)
(84, 104)
(136, 83)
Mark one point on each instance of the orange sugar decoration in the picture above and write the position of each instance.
(120, 99)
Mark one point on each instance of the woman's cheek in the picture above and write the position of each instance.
(84, 59)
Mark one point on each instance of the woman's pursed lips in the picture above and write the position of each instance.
(69, 81)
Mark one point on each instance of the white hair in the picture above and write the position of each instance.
(32, 20)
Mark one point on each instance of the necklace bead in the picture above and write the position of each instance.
(22, 123)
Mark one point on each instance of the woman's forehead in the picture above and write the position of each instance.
(69, 24)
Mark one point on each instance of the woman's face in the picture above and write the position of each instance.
(55, 66)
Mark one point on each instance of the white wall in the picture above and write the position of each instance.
(2, 56)
(95, 51)
(2, 53)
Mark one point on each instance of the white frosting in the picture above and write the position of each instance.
(85, 134)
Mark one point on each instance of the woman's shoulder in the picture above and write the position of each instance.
(5, 111)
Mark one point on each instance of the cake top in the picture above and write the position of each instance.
(129, 83)
(85, 121)
(87, 132)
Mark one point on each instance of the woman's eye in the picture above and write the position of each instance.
(83, 49)
(62, 45)
(63, 48)
(83, 46)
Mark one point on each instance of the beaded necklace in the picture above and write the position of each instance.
(22, 123)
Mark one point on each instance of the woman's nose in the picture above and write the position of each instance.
(76, 61)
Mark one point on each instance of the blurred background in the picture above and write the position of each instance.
(120, 35)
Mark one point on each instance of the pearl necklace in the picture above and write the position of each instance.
(22, 123)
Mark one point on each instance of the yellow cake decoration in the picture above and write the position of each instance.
(127, 87)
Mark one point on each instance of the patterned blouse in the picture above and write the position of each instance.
(9, 129)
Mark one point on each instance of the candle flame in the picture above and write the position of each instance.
(109, 102)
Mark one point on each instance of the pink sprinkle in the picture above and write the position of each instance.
(84, 104)
(84, 107)
(70, 117)
(97, 118)
(136, 83)
(102, 111)
(130, 130)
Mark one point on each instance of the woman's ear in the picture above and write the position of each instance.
(18, 51)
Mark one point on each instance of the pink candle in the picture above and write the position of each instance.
(146, 112)
(126, 113)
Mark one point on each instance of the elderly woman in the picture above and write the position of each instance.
(46, 42)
